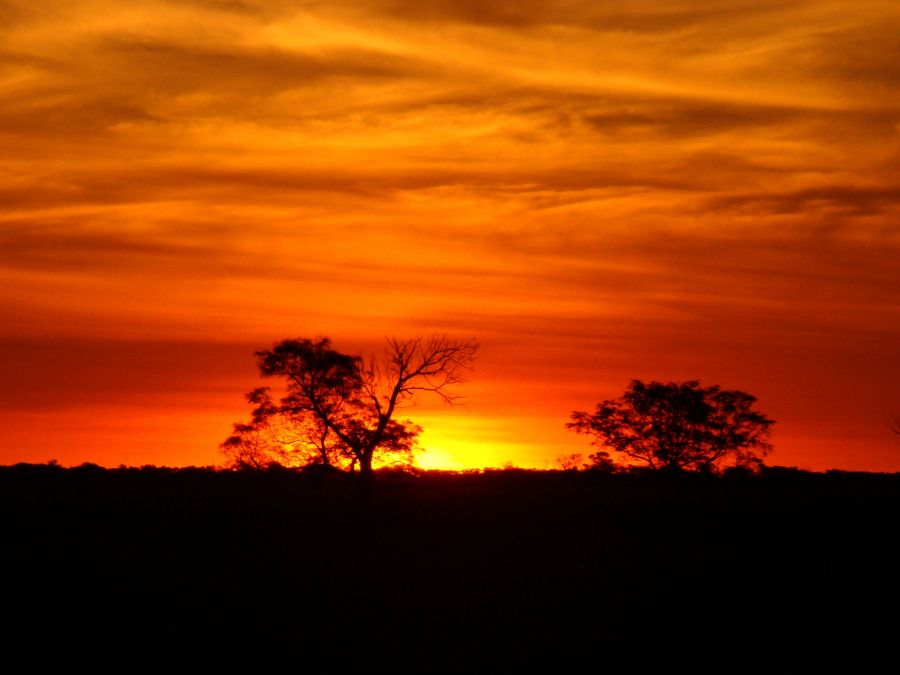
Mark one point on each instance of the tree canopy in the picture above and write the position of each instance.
(679, 426)
(340, 410)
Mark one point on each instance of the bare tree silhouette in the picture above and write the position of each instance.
(679, 426)
(893, 421)
(340, 409)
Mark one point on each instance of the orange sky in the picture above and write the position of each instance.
(595, 192)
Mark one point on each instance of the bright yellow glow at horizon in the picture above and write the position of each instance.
(472, 444)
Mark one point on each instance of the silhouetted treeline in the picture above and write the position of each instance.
(536, 550)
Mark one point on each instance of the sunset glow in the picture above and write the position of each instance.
(594, 192)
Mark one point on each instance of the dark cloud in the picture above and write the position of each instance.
(138, 59)
(50, 374)
(68, 249)
(640, 15)
(835, 200)
(679, 117)
(865, 56)
(12, 13)
(128, 78)
(11, 59)
(68, 113)
(81, 258)
(122, 185)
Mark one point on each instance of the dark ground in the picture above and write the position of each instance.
(468, 557)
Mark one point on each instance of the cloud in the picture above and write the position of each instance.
(49, 374)
(636, 16)
(841, 200)
(257, 70)
(679, 118)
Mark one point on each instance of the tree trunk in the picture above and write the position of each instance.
(673, 468)
(365, 487)
(365, 466)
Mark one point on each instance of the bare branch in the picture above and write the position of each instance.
(431, 365)
(893, 422)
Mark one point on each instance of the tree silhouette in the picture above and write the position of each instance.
(339, 409)
(571, 462)
(679, 426)
(602, 462)
(893, 421)
(282, 434)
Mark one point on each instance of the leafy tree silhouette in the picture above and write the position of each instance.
(602, 462)
(679, 426)
(339, 410)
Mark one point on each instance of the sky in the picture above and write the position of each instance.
(595, 191)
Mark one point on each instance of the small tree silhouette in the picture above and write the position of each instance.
(571, 462)
(339, 409)
(679, 426)
(602, 462)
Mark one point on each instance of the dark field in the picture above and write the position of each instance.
(470, 554)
